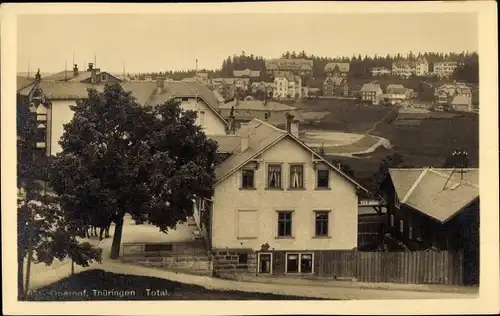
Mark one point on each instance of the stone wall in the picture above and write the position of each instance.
(228, 263)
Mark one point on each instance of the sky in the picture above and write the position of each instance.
(146, 43)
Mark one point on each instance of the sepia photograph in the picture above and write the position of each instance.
(205, 155)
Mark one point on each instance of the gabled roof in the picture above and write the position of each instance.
(179, 89)
(370, 87)
(142, 91)
(228, 144)
(257, 105)
(343, 67)
(261, 136)
(334, 80)
(63, 90)
(246, 72)
(438, 193)
(60, 76)
(23, 82)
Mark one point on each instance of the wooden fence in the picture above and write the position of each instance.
(418, 267)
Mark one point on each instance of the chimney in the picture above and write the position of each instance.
(91, 66)
(75, 70)
(38, 77)
(244, 138)
(231, 128)
(292, 126)
(160, 84)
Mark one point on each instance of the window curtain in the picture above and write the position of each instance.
(274, 176)
(296, 177)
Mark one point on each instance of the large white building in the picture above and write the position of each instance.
(445, 69)
(287, 86)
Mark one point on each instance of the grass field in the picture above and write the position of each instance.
(425, 141)
(80, 287)
(344, 115)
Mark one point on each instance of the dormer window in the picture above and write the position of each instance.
(104, 77)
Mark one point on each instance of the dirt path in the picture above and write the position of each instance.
(380, 121)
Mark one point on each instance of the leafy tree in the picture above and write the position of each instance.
(119, 157)
(43, 233)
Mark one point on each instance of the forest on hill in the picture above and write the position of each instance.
(359, 68)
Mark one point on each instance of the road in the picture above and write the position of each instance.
(44, 275)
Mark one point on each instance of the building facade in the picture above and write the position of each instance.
(446, 94)
(287, 87)
(284, 202)
(445, 69)
(301, 67)
(370, 93)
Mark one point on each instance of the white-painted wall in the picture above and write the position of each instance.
(341, 200)
(62, 114)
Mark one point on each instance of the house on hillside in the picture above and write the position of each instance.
(287, 86)
(370, 93)
(224, 86)
(380, 71)
(445, 94)
(57, 97)
(243, 111)
(264, 89)
(276, 204)
(295, 66)
(408, 68)
(436, 208)
(445, 69)
(337, 69)
(335, 86)
(247, 73)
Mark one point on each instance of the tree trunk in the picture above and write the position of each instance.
(20, 278)
(117, 238)
(30, 257)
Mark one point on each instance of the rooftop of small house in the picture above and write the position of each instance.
(246, 72)
(370, 87)
(343, 67)
(438, 193)
(257, 105)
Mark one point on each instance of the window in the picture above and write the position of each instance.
(323, 179)
(104, 77)
(266, 116)
(410, 232)
(185, 99)
(296, 176)
(274, 177)
(265, 263)
(401, 226)
(285, 224)
(202, 118)
(243, 258)
(247, 224)
(247, 179)
(299, 263)
(321, 221)
(392, 220)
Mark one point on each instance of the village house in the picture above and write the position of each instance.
(224, 86)
(335, 86)
(380, 71)
(396, 94)
(336, 69)
(409, 68)
(54, 99)
(446, 96)
(301, 67)
(247, 73)
(276, 204)
(434, 208)
(92, 75)
(269, 111)
(370, 93)
(287, 87)
(445, 69)
(263, 88)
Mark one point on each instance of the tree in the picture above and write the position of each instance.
(43, 233)
(119, 157)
